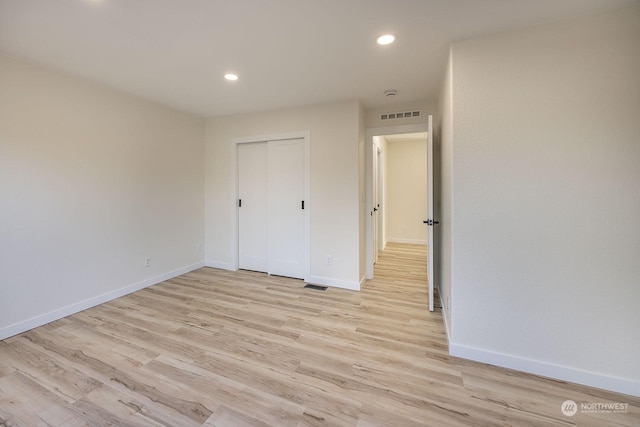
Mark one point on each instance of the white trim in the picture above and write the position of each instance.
(410, 241)
(369, 134)
(43, 319)
(306, 136)
(327, 281)
(447, 330)
(272, 137)
(308, 204)
(564, 373)
(219, 265)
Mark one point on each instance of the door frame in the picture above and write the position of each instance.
(306, 136)
(369, 134)
(430, 213)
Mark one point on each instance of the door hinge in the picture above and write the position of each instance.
(239, 203)
(302, 204)
(430, 222)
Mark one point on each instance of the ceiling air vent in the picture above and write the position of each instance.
(401, 115)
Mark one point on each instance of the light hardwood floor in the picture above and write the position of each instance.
(236, 349)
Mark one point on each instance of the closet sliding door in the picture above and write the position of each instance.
(285, 214)
(271, 207)
(252, 201)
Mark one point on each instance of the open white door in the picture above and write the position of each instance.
(430, 221)
(375, 216)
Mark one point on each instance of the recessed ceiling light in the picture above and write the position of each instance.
(386, 39)
(231, 76)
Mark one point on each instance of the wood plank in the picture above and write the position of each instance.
(222, 348)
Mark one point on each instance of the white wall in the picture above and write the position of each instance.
(334, 208)
(546, 200)
(406, 196)
(92, 181)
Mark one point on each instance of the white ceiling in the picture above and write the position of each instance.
(287, 52)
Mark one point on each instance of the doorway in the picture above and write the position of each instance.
(396, 214)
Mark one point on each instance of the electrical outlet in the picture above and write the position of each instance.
(404, 229)
(147, 261)
(329, 260)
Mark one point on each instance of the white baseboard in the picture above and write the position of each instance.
(446, 322)
(43, 319)
(219, 265)
(563, 373)
(364, 279)
(326, 281)
(410, 241)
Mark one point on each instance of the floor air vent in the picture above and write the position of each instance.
(315, 287)
(401, 115)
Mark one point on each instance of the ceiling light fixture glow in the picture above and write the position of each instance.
(231, 76)
(386, 39)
